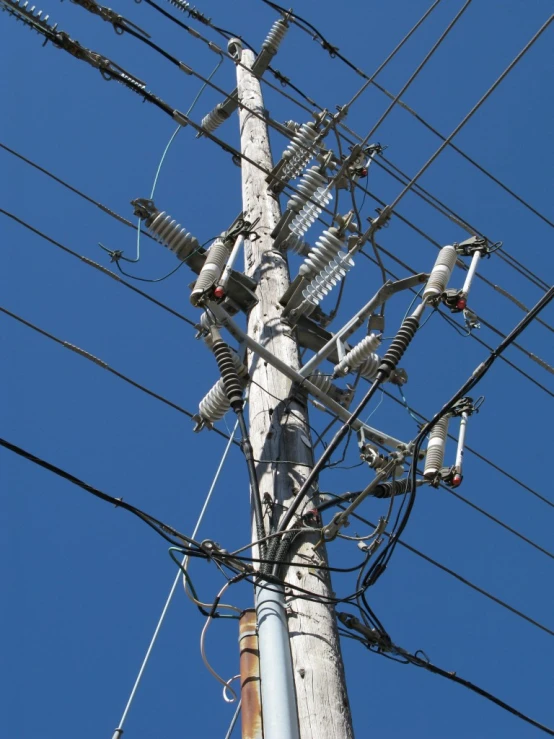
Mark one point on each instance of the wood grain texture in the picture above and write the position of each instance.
(279, 431)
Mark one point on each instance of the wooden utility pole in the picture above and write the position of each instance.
(280, 437)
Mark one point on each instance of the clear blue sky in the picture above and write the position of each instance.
(84, 583)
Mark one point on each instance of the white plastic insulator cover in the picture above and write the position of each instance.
(435, 447)
(356, 357)
(331, 275)
(440, 274)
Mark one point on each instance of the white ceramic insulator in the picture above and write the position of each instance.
(323, 283)
(210, 273)
(356, 357)
(323, 382)
(171, 234)
(435, 448)
(275, 36)
(311, 181)
(440, 274)
(299, 152)
(327, 248)
(213, 119)
(309, 213)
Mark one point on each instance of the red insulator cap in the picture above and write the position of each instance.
(461, 303)
(219, 292)
(456, 480)
(363, 171)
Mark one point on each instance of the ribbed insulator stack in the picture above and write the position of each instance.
(300, 151)
(212, 268)
(296, 244)
(214, 119)
(435, 448)
(171, 234)
(360, 356)
(327, 249)
(395, 487)
(275, 36)
(313, 194)
(398, 346)
(322, 284)
(215, 404)
(321, 381)
(229, 374)
(440, 274)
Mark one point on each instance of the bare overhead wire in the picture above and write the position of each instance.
(334, 52)
(454, 574)
(104, 365)
(471, 113)
(103, 270)
(173, 588)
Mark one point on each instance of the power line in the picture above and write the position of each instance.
(473, 451)
(453, 323)
(178, 315)
(508, 259)
(435, 243)
(456, 575)
(99, 267)
(416, 72)
(128, 223)
(164, 530)
(382, 645)
(334, 52)
(105, 366)
(471, 113)
(449, 213)
(73, 189)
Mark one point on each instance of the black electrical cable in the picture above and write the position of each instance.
(338, 501)
(334, 52)
(161, 528)
(453, 323)
(474, 452)
(246, 447)
(382, 560)
(437, 245)
(105, 366)
(335, 441)
(418, 661)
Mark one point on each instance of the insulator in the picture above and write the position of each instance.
(300, 151)
(312, 180)
(190, 10)
(131, 82)
(435, 448)
(211, 270)
(214, 119)
(180, 4)
(399, 345)
(328, 247)
(321, 381)
(440, 274)
(296, 244)
(358, 356)
(229, 374)
(323, 283)
(215, 404)
(309, 213)
(395, 487)
(171, 234)
(276, 34)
